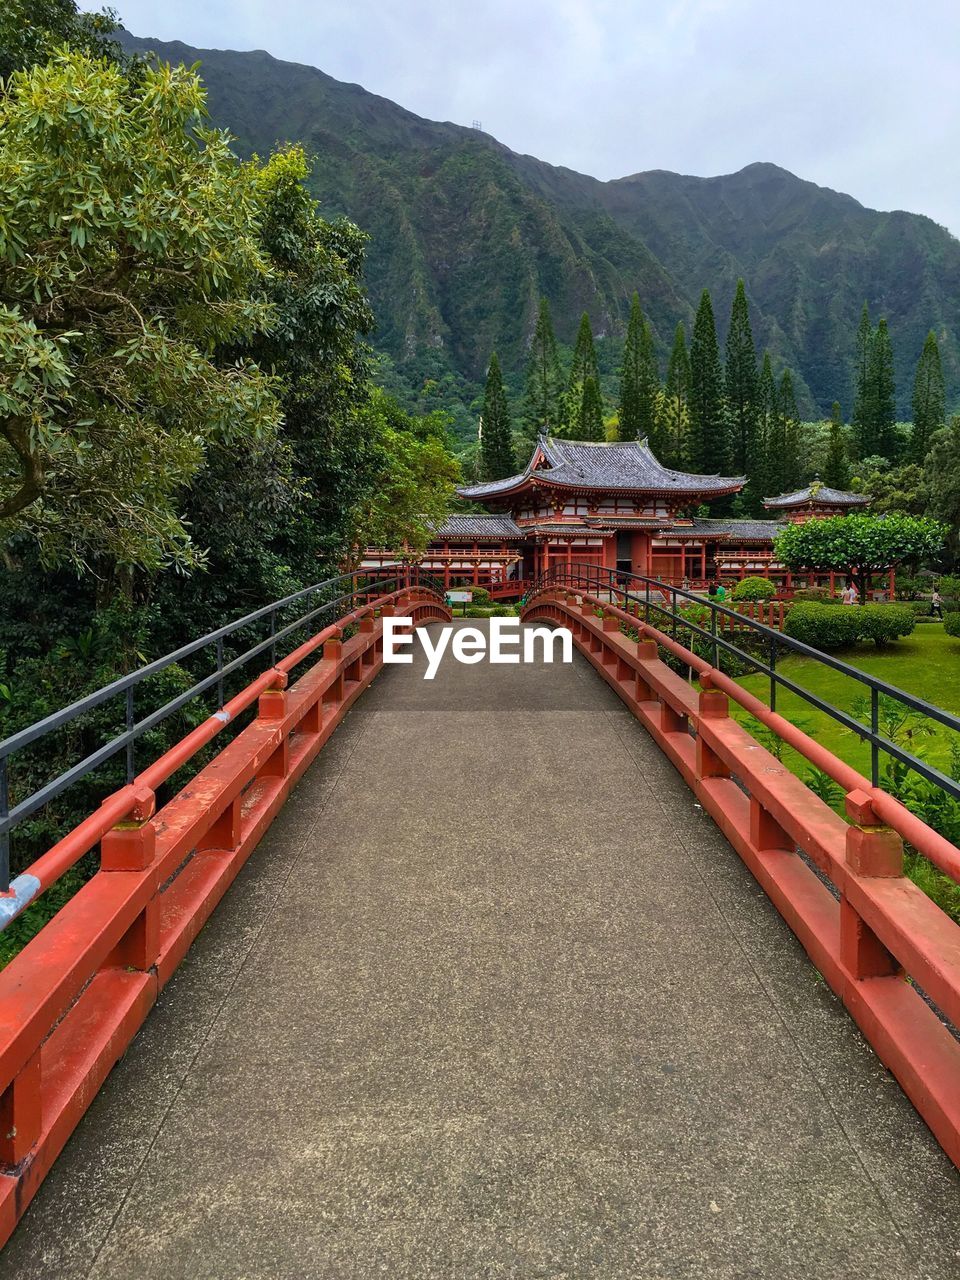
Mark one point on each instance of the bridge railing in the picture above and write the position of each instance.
(728, 625)
(74, 996)
(887, 949)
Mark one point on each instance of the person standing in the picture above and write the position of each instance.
(849, 594)
(936, 604)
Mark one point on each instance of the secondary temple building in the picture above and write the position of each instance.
(613, 505)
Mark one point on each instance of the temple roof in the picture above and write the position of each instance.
(477, 527)
(818, 494)
(625, 465)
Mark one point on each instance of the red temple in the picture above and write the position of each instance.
(613, 505)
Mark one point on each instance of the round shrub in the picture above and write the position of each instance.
(882, 623)
(951, 624)
(755, 589)
(822, 626)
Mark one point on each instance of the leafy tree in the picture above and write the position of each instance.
(836, 471)
(741, 389)
(708, 426)
(929, 407)
(542, 405)
(894, 489)
(590, 418)
(31, 31)
(128, 251)
(496, 443)
(582, 368)
(859, 545)
(674, 405)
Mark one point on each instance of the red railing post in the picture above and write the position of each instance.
(132, 846)
(876, 851)
(21, 1113)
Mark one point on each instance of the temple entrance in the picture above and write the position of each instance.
(625, 551)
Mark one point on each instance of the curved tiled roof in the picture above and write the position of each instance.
(818, 493)
(477, 527)
(627, 465)
(749, 530)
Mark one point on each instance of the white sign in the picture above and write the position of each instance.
(460, 597)
(470, 644)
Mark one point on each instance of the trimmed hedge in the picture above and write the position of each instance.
(951, 624)
(760, 589)
(827, 627)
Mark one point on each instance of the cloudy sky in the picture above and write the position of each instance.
(858, 95)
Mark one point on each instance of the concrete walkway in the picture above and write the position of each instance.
(493, 998)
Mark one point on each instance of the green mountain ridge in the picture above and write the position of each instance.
(467, 234)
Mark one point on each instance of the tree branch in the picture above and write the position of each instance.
(31, 469)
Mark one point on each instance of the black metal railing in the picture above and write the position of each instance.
(323, 601)
(659, 600)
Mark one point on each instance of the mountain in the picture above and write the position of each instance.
(467, 234)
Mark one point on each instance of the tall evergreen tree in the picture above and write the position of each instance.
(708, 426)
(862, 413)
(542, 405)
(496, 441)
(629, 411)
(590, 418)
(674, 406)
(740, 385)
(836, 470)
(582, 367)
(929, 404)
(767, 480)
(882, 437)
(788, 421)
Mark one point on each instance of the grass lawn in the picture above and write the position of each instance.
(926, 663)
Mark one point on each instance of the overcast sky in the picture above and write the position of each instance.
(858, 95)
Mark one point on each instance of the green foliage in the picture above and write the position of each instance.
(822, 626)
(929, 404)
(941, 478)
(128, 250)
(741, 390)
(859, 544)
(589, 423)
(894, 489)
(875, 396)
(32, 30)
(754, 588)
(951, 624)
(542, 406)
(578, 401)
(836, 471)
(673, 406)
(828, 627)
(639, 383)
(496, 444)
(709, 439)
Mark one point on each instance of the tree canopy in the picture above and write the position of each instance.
(859, 544)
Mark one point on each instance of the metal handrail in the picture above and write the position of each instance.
(343, 593)
(619, 582)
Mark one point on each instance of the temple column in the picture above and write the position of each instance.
(640, 553)
(892, 583)
(610, 552)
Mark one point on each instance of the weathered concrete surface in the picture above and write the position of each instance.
(495, 999)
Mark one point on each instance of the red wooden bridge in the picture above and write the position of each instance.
(527, 970)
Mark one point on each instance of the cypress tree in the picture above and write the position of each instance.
(708, 427)
(629, 407)
(496, 442)
(862, 413)
(768, 478)
(649, 391)
(836, 470)
(542, 405)
(674, 426)
(590, 424)
(882, 402)
(788, 423)
(740, 385)
(929, 405)
(582, 367)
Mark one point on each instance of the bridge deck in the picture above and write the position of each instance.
(494, 998)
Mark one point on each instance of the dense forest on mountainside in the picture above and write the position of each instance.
(466, 236)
